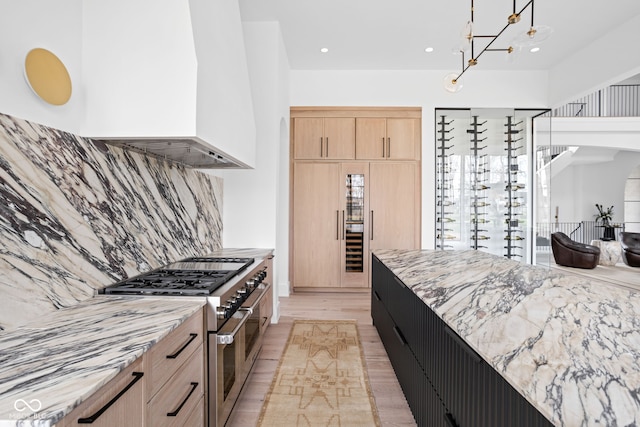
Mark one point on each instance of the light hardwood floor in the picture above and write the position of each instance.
(392, 406)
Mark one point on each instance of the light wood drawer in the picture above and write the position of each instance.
(126, 410)
(196, 418)
(162, 360)
(179, 395)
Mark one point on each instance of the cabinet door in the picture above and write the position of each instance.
(354, 253)
(403, 139)
(316, 225)
(119, 403)
(371, 142)
(308, 138)
(394, 205)
(340, 138)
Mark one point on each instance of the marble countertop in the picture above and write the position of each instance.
(52, 364)
(256, 253)
(48, 369)
(569, 344)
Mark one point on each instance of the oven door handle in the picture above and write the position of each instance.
(225, 338)
(256, 296)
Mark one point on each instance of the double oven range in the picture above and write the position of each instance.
(237, 291)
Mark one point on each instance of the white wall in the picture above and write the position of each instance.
(256, 201)
(609, 59)
(577, 189)
(56, 26)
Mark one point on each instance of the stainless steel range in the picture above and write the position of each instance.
(237, 315)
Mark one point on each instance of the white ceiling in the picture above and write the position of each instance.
(392, 34)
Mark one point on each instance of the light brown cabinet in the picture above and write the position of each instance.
(324, 138)
(366, 196)
(119, 403)
(343, 210)
(394, 211)
(164, 387)
(380, 138)
(175, 375)
(316, 224)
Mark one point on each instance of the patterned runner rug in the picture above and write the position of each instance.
(321, 379)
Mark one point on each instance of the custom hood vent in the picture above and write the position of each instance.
(189, 152)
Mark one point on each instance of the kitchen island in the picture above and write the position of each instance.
(568, 345)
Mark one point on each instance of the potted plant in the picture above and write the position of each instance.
(604, 218)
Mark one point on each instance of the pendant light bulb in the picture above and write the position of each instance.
(535, 35)
(452, 83)
(466, 37)
(467, 31)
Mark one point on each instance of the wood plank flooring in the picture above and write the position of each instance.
(392, 406)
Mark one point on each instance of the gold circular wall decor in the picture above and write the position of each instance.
(47, 76)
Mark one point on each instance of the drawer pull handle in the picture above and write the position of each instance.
(177, 353)
(265, 319)
(399, 282)
(174, 413)
(462, 344)
(449, 419)
(94, 417)
(375, 294)
(399, 335)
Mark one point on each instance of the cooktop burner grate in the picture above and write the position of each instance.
(169, 283)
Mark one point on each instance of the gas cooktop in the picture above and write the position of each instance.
(196, 276)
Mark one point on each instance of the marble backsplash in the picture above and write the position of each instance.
(76, 216)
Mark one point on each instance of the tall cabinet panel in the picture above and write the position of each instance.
(393, 210)
(317, 224)
(349, 193)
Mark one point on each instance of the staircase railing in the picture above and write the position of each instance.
(612, 101)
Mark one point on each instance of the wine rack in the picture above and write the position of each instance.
(514, 188)
(354, 251)
(445, 222)
(354, 223)
(478, 180)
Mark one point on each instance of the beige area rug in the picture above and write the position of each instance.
(321, 379)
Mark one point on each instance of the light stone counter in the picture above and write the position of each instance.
(51, 366)
(570, 345)
(257, 253)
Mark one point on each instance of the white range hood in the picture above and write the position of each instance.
(169, 78)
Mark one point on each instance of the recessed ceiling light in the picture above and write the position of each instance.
(324, 50)
(429, 50)
(534, 49)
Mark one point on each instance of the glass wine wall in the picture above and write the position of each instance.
(483, 182)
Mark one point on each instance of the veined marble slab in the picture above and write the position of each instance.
(257, 253)
(49, 368)
(77, 216)
(570, 345)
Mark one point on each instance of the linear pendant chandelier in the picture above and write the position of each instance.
(530, 38)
